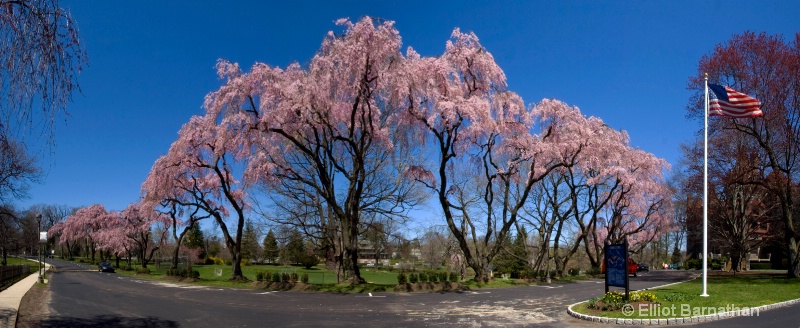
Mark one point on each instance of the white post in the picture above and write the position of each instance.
(705, 194)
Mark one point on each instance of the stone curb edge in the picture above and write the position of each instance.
(674, 321)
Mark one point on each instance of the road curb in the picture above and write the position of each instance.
(676, 321)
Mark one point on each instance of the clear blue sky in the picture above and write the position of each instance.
(152, 62)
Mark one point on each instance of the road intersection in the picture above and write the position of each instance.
(81, 298)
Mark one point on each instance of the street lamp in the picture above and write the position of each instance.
(39, 255)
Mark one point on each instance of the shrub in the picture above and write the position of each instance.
(260, 276)
(760, 266)
(454, 277)
(185, 273)
(308, 261)
(304, 278)
(592, 304)
(276, 277)
(402, 278)
(285, 277)
(143, 271)
(423, 277)
(716, 264)
(216, 260)
(593, 271)
(692, 264)
(413, 278)
(293, 277)
(443, 276)
(610, 301)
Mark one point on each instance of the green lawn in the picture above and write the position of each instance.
(34, 266)
(12, 261)
(726, 293)
(319, 276)
(219, 275)
(18, 261)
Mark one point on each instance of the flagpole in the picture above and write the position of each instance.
(705, 193)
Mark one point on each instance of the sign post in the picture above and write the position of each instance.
(42, 265)
(616, 264)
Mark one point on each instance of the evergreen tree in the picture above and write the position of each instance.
(270, 245)
(250, 247)
(195, 240)
(513, 259)
(676, 256)
(294, 249)
(308, 258)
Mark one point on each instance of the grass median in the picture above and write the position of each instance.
(319, 279)
(727, 293)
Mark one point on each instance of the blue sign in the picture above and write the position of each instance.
(616, 263)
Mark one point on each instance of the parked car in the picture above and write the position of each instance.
(632, 267)
(644, 267)
(674, 266)
(105, 267)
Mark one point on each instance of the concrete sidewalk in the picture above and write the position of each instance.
(11, 297)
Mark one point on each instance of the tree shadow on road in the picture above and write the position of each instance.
(6, 315)
(110, 321)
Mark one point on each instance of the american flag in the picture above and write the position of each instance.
(724, 101)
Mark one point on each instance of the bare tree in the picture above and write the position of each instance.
(9, 232)
(437, 245)
(17, 169)
(40, 59)
(768, 68)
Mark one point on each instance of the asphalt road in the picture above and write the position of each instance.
(82, 297)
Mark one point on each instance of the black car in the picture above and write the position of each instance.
(105, 267)
(644, 267)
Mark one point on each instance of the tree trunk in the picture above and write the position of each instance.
(794, 258)
(176, 252)
(149, 258)
(481, 272)
(142, 257)
(353, 273)
(236, 266)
